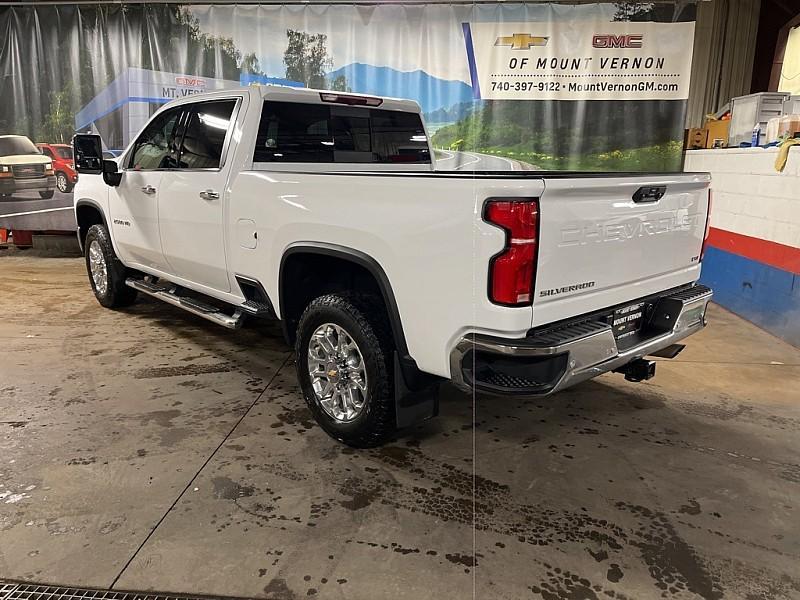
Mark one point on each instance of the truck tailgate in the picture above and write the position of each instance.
(603, 242)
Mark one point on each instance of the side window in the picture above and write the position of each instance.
(398, 137)
(155, 148)
(47, 152)
(294, 132)
(204, 138)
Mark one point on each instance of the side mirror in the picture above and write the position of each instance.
(111, 174)
(88, 152)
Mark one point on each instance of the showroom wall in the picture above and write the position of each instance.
(592, 74)
(753, 259)
(416, 51)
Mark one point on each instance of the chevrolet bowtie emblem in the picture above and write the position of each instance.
(333, 373)
(521, 41)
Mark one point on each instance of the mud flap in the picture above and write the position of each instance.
(413, 406)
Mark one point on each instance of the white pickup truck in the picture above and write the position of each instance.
(325, 210)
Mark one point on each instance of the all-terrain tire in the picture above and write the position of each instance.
(363, 317)
(114, 294)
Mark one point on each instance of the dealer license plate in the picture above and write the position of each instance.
(628, 320)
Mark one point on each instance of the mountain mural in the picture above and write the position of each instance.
(431, 92)
(453, 113)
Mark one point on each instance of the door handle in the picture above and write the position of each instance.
(649, 193)
(149, 190)
(209, 195)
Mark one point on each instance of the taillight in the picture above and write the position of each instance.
(708, 227)
(513, 270)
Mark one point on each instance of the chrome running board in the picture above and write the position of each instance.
(192, 305)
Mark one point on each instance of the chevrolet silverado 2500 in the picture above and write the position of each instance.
(325, 210)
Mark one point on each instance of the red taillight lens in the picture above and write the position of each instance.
(512, 272)
(708, 228)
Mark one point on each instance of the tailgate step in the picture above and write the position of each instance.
(692, 293)
(560, 335)
(192, 305)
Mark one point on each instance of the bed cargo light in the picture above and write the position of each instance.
(513, 270)
(350, 100)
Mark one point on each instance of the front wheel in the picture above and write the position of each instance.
(62, 183)
(344, 364)
(46, 195)
(106, 273)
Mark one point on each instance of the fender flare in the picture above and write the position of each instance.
(95, 205)
(407, 363)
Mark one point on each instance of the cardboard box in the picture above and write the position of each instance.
(696, 138)
(717, 130)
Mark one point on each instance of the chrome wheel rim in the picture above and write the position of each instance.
(61, 182)
(97, 267)
(338, 373)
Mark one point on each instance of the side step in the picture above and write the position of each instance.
(192, 305)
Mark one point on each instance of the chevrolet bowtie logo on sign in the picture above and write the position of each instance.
(521, 41)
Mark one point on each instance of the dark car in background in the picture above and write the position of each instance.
(63, 165)
(23, 168)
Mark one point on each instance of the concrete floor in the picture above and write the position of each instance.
(147, 449)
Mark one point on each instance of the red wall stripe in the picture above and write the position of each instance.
(774, 254)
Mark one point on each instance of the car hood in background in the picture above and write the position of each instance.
(25, 159)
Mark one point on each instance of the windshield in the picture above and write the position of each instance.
(10, 146)
(64, 152)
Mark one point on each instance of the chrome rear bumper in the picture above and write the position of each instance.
(552, 360)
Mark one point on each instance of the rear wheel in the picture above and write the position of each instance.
(106, 273)
(344, 364)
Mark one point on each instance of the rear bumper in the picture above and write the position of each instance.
(39, 184)
(553, 359)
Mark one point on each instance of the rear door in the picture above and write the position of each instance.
(191, 196)
(607, 240)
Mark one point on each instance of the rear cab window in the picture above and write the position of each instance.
(293, 132)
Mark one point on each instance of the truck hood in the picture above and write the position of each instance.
(25, 159)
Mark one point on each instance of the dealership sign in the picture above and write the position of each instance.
(590, 60)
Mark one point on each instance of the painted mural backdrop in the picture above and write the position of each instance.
(551, 86)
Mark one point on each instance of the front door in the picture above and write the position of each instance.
(191, 197)
(134, 203)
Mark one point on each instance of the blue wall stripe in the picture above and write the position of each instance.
(762, 294)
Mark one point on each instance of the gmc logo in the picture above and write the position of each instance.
(617, 41)
(190, 81)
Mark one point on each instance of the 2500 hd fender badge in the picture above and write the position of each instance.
(566, 288)
(122, 222)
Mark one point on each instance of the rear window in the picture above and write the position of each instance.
(316, 133)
